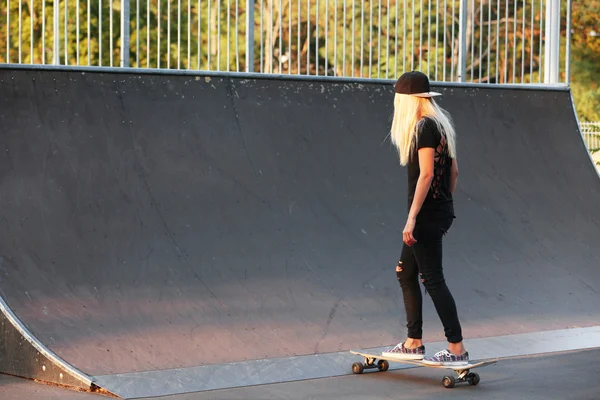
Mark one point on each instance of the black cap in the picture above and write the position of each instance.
(414, 83)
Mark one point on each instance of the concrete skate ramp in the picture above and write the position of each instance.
(154, 221)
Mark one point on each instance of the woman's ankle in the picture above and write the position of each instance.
(413, 343)
(456, 348)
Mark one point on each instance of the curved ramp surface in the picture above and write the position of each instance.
(157, 221)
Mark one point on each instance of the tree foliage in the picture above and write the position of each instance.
(585, 59)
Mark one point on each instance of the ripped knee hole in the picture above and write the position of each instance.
(399, 266)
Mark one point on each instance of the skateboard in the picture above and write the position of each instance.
(464, 374)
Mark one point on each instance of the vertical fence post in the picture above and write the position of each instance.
(462, 42)
(249, 35)
(568, 51)
(125, 12)
(552, 40)
(56, 50)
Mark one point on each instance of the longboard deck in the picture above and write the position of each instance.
(381, 362)
(457, 368)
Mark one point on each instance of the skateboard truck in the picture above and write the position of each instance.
(472, 378)
(370, 363)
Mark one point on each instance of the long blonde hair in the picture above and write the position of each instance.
(409, 111)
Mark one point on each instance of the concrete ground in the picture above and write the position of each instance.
(572, 375)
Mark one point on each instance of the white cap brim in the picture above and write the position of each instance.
(426, 94)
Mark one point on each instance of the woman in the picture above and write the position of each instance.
(425, 138)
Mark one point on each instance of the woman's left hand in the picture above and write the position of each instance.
(407, 234)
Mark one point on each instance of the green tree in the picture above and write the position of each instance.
(585, 59)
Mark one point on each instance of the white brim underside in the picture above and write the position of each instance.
(428, 94)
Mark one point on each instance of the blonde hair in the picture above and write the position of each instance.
(409, 112)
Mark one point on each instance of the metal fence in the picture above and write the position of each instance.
(494, 41)
(591, 135)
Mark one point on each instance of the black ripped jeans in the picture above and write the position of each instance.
(424, 258)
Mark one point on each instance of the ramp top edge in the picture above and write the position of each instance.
(255, 75)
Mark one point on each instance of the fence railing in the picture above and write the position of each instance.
(494, 41)
(591, 135)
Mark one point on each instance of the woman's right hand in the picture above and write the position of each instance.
(407, 233)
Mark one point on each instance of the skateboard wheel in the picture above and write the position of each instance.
(473, 378)
(383, 365)
(357, 368)
(448, 382)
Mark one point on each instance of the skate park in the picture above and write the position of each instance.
(206, 234)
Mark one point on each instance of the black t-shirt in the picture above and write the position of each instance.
(438, 204)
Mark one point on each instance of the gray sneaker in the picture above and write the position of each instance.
(444, 357)
(402, 353)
